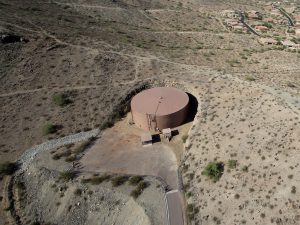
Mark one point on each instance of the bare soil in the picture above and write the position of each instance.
(97, 53)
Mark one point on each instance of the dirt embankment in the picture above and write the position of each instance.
(40, 194)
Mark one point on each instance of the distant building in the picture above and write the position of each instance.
(290, 9)
(267, 41)
(269, 20)
(254, 15)
(235, 25)
(238, 28)
(275, 12)
(231, 23)
(261, 28)
(290, 44)
(229, 14)
(268, 7)
(297, 18)
(283, 22)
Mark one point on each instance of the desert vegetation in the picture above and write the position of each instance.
(67, 175)
(7, 168)
(68, 68)
(61, 99)
(214, 170)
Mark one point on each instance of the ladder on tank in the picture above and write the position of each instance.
(151, 118)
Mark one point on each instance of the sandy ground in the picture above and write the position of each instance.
(50, 199)
(244, 122)
(119, 150)
(97, 52)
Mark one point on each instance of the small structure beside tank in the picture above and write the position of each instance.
(146, 139)
(167, 133)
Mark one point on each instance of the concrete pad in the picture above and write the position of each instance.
(119, 150)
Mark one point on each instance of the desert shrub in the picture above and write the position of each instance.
(67, 154)
(56, 156)
(234, 62)
(107, 124)
(67, 175)
(135, 180)
(49, 128)
(7, 168)
(190, 208)
(117, 116)
(290, 84)
(250, 78)
(82, 146)
(139, 189)
(142, 185)
(85, 180)
(70, 158)
(191, 216)
(192, 211)
(184, 138)
(117, 181)
(268, 25)
(60, 99)
(135, 193)
(245, 168)
(78, 192)
(214, 170)
(98, 180)
(20, 185)
(293, 191)
(35, 223)
(232, 163)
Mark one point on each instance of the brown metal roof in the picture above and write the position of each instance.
(159, 101)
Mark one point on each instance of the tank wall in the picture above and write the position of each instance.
(172, 120)
(166, 121)
(140, 120)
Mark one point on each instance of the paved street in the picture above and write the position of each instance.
(175, 208)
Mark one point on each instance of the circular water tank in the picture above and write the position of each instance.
(159, 108)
